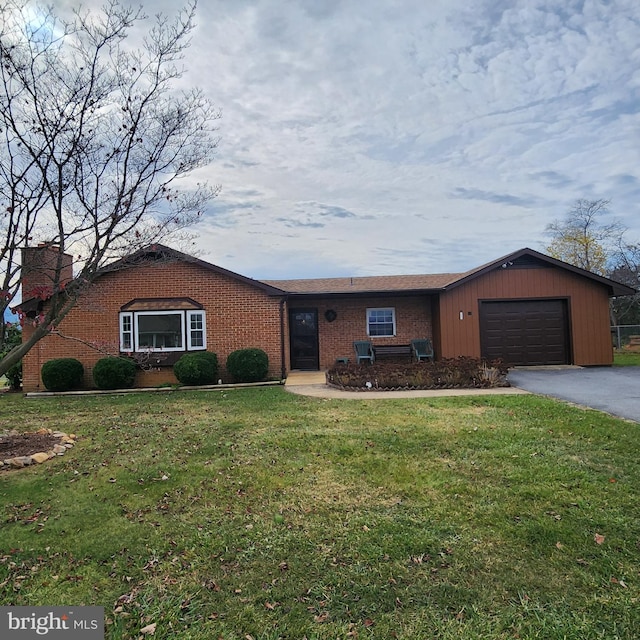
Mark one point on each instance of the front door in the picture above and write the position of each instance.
(303, 332)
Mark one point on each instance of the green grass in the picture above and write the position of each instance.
(259, 514)
(626, 358)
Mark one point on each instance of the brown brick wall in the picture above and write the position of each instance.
(238, 315)
(413, 320)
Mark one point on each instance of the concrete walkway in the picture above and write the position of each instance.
(313, 383)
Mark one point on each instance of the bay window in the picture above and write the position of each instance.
(146, 329)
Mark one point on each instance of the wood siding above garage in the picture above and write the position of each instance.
(587, 309)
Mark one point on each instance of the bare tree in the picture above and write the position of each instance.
(582, 238)
(626, 269)
(98, 143)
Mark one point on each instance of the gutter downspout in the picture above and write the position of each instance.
(283, 368)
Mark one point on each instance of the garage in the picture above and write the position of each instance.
(525, 332)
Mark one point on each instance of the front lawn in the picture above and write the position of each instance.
(259, 514)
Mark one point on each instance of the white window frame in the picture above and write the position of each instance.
(136, 336)
(393, 320)
(190, 331)
(127, 315)
(185, 327)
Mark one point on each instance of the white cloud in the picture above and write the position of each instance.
(404, 136)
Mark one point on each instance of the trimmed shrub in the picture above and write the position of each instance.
(248, 365)
(114, 373)
(197, 368)
(62, 374)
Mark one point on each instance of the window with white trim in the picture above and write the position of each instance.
(196, 335)
(126, 332)
(159, 330)
(181, 330)
(381, 322)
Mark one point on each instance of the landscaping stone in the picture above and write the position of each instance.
(19, 444)
(21, 461)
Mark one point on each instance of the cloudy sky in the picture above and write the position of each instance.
(372, 137)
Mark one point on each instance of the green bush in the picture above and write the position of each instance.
(114, 373)
(14, 376)
(248, 365)
(62, 374)
(197, 368)
(12, 338)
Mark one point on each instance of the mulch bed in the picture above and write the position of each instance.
(15, 445)
(451, 373)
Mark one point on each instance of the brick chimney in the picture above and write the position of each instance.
(39, 266)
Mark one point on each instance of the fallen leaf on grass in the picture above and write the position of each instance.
(149, 630)
(559, 545)
(598, 538)
(211, 585)
(620, 582)
(323, 617)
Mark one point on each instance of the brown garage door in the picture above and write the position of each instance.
(525, 332)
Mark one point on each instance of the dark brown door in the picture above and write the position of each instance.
(525, 332)
(303, 331)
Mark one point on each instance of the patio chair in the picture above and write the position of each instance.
(364, 351)
(422, 349)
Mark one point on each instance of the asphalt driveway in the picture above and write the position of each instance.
(615, 390)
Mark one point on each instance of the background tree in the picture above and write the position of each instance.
(12, 337)
(97, 143)
(626, 269)
(583, 238)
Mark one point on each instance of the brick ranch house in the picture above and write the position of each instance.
(526, 308)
